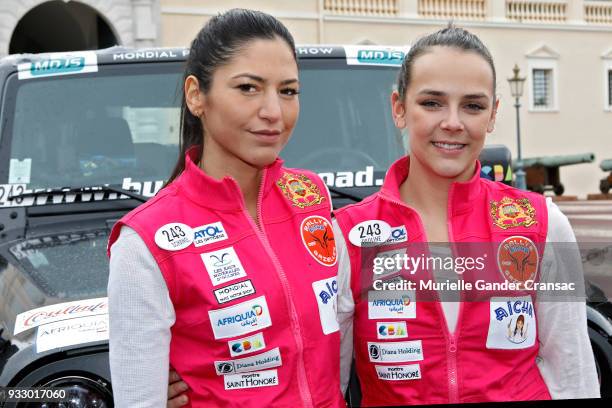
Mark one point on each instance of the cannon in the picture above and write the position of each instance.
(542, 173)
(606, 182)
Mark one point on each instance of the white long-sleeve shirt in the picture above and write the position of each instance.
(141, 315)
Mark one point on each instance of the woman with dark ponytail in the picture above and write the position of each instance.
(228, 274)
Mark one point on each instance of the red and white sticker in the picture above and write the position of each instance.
(318, 238)
(517, 259)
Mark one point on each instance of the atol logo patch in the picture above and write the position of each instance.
(59, 64)
(398, 373)
(318, 238)
(269, 359)
(517, 259)
(398, 234)
(207, 234)
(246, 345)
(326, 291)
(391, 304)
(300, 190)
(391, 330)
(240, 319)
(511, 213)
(234, 291)
(512, 323)
(223, 265)
(395, 352)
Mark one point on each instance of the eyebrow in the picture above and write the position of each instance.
(440, 93)
(260, 79)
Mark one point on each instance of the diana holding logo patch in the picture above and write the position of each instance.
(229, 273)
(504, 348)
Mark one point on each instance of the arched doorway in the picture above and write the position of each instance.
(60, 26)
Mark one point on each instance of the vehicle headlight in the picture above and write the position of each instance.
(81, 392)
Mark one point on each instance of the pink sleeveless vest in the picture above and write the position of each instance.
(404, 351)
(255, 305)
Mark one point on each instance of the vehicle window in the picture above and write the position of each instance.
(92, 129)
(121, 125)
(345, 119)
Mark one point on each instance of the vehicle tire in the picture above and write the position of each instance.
(604, 186)
(602, 351)
(559, 189)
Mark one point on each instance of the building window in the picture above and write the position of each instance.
(543, 84)
(542, 88)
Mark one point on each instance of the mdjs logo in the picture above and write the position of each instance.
(207, 234)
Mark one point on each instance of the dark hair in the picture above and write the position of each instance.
(521, 319)
(217, 42)
(450, 36)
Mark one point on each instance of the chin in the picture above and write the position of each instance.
(450, 170)
(262, 159)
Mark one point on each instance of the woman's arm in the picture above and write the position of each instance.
(346, 307)
(566, 359)
(141, 315)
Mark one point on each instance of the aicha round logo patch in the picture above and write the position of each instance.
(318, 238)
(517, 259)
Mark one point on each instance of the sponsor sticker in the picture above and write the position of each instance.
(512, 323)
(511, 213)
(517, 259)
(266, 378)
(59, 64)
(71, 332)
(300, 190)
(269, 359)
(246, 345)
(223, 265)
(326, 291)
(385, 304)
(375, 55)
(361, 178)
(398, 234)
(395, 352)
(19, 171)
(207, 234)
(398, 373)
(318, 238)
(391, 330)
(234, 291)
(174, 236)
(62, 311)
(370, 233)
(243, 318)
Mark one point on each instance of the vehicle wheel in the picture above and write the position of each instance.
(603, 361)
(604, 186)
(559, 189)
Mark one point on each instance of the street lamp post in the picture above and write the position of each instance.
(516, 88)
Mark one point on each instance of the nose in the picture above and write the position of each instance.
(270, 109)
(452, 122)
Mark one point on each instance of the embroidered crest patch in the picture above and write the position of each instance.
(300, 190)
(517, 259)
(510, 213)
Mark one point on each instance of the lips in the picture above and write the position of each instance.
(266, 132)
(449, 146)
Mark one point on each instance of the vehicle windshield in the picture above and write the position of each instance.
(120, 125)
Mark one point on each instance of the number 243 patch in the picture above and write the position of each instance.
(174, 236)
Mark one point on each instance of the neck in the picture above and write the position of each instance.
(248, 177)
(425, 191)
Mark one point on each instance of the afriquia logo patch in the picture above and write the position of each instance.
(510, 213)
(300, 190)
(517, 259)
